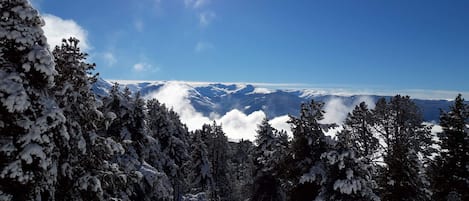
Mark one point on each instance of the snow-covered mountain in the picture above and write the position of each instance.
(219, 98)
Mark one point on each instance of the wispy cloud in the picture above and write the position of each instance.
(57, 29)
(139, 25)
(206, 17)
(203, 46)
(195, 3)
(144, 67)
(109, 58)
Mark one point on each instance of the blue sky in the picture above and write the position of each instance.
(398, 44)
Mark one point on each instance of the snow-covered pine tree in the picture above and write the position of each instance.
(217, 151)
(399, 122)
(241, 168)
(358, 133)
(268, 154)
(450, 171)
(200, 175)
(119, 103)
(348, 175)
(80, 161)
(122, 182)
(30, 120)
(165, 126)
(306, 168)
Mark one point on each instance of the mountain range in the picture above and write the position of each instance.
(220, 98)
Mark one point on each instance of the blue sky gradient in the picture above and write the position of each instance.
(398, 44)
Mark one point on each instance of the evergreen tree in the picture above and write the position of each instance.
(217, 151)
(200, 176)
(241, 168)
(30, 121)
(358, 133)
(80, 161)
(268, 155)
(399, 122)
(451, 168)
(155, 184)
(309, 143)
(165, 126)
(348, 175)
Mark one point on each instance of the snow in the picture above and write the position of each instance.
(348, 186)
(261, 90)
(31, 150)
(15, 170)
(8, 148)
(148, 172)
(5, 197)
(315, 174)
(195, 197)
(92, 183)
(13, 95)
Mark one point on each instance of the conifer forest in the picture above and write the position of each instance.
(61, 141)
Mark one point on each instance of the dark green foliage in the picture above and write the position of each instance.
(241, 168)
(31, 123)
(200, 175)
(306, 170)
(173, 136)
(270, 151)
(451, 169)
(73, 93)
(399, 124)
(218, 155)
(348, 176)
(359, 132)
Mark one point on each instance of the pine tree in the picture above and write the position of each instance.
(348, 175)
(217, 151)
(309, 143)
(200, 176)
(80, 161)
(165, 126)
(268, 155)
(241, 169)
(358, 133)
(451, 169)
(399, 122)
(30, 121)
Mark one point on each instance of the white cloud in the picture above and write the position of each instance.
(280, 123)
(238, 125)
(206, 17)
(203, 46)
(180, 103)
(336, 110)
(109, 58)
(57, 29)
(144, 67)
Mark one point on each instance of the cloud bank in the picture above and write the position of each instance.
(336, 110)
(235, 123)
(57, 29)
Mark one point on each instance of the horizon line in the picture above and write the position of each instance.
(324, 89)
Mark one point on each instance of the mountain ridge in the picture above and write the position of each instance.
(219, 98)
